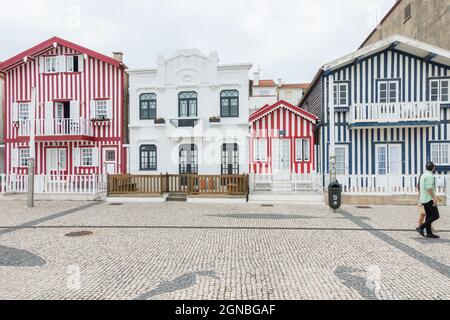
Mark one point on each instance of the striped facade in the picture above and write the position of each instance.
(282, 121)
(99, 78)
(413, 75)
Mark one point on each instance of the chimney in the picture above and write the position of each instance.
(118, 56)
(280, 82)
(256, 77)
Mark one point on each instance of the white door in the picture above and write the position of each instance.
(56, 161)
(389, 159)
(281, 159)
(110, 160)
(395, 159)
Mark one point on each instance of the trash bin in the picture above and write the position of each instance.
(335, 195)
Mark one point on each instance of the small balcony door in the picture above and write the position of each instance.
(281, 159)
(389, 159)
(62, 115)
(56, 161)
(110, 160)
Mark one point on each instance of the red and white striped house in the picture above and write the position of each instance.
(282, 142)
(80, 114)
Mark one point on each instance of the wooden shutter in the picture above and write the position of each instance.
(75, 109)
(41, 64)
(77, 157)
(15, 111)
(109, 112)
(81, 63)
(95, 157)
(49, 110)
(61, 63)
(15, 157)
(92, 111)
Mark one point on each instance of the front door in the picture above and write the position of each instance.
(389, 159)
(56, 161)
(110, 160)
(281, 159)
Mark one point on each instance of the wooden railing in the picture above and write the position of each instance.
(395, 112)
(172, 183)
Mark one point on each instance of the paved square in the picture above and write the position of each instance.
(206, 251)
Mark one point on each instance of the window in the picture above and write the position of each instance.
(56, 159)
(188, 159)
(148, 158)
(230, 158)
(87, 157)
(388, 91)
(407, 14)
(50, 65)
(341, 96)
(302, 150)
(24, 111)
(24, 156)
(101, 109)
(341, 155)
(72, 64)
(439, 90)
(148, 106)
(440, 153)
(110, 155)
(382, 160)
(260, 149)
(229, 103)
(187, 104)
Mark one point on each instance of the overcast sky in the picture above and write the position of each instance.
(289, 39)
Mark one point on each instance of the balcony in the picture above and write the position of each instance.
(413, 114)
(186, 128)
(57, 128)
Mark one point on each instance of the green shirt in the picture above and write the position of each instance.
(427, 182)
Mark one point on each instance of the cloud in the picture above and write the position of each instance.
(290, 39)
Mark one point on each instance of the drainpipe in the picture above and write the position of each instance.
(331, 121)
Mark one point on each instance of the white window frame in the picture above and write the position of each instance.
(24, 111)
(260, 150)
(101, 109)
(337, 94)
(51, 64)
(87, 157)
(388, 90)
(24, 157)
(440, 96)
(345, 148)
(438, 147)
(302, 150)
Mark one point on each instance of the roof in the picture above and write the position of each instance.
(400, 43)
(295, 86)
(50, 43)
(381, 22)
(282, 104)
(265, 83)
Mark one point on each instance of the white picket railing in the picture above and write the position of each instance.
(59, 184)
(57, 127)
(395, 112)
(387, 184)
(296, 183)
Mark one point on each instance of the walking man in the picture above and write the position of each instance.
(429, 200)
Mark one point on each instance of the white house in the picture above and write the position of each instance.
(269, 92)
(189, 115)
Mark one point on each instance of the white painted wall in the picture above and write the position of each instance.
(189, 70)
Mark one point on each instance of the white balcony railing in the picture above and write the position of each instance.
(57, 127)
(395, 112)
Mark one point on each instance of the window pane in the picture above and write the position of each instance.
(382, 160)
(340, 161)
(306, 150)
(444, 153)
(299, 150)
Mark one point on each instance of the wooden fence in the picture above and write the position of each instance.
(142, 185)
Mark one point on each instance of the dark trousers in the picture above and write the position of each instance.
(432, 215)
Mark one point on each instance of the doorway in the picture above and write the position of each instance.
(281, 159)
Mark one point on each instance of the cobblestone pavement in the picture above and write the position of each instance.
(206, 251)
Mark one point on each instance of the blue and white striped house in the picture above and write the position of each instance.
(392, 114)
